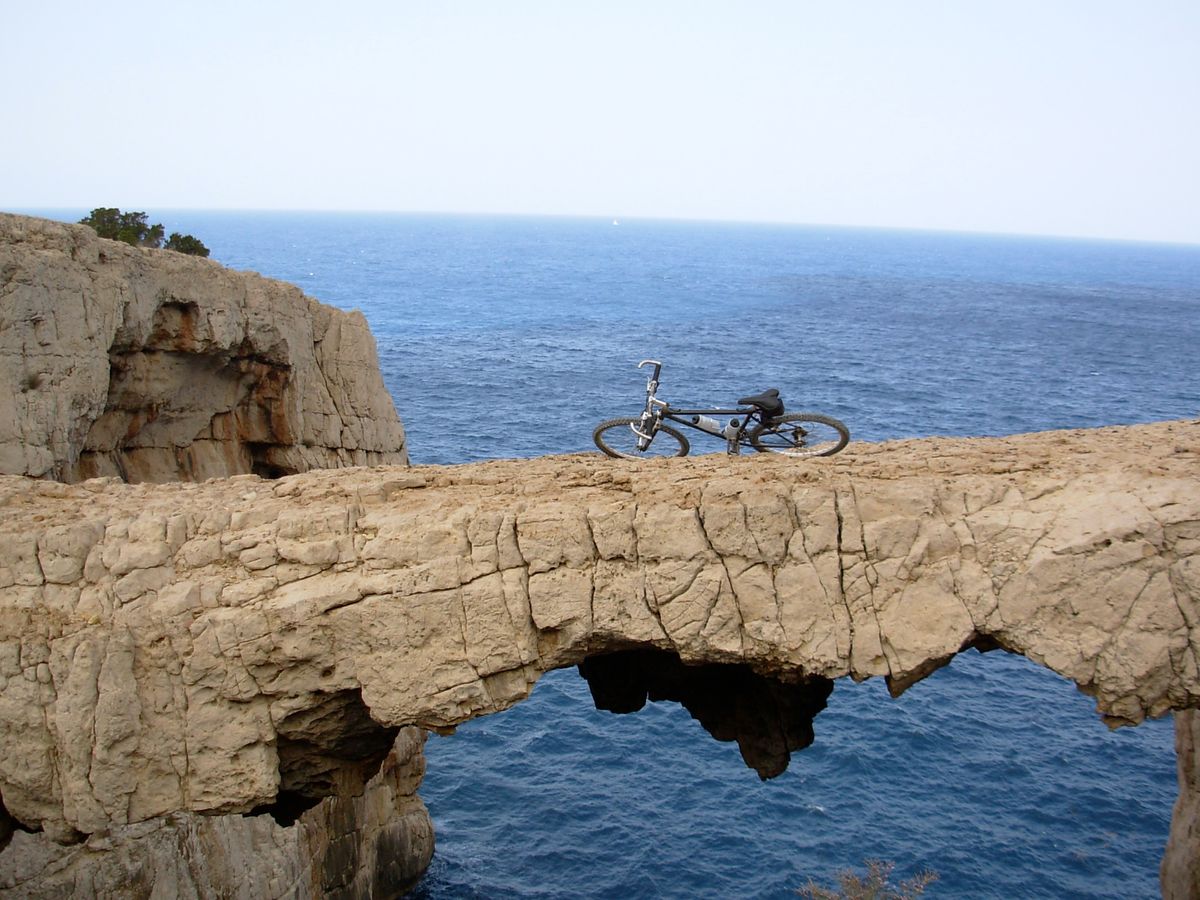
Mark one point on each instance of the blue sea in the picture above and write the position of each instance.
(513, 337)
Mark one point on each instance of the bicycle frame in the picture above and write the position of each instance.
(757, 421)
(657, 410)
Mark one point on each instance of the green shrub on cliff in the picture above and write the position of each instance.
(130, 227)
(185, 243)
(133, 228)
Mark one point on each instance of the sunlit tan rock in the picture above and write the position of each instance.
(155, 366)
(161, 643)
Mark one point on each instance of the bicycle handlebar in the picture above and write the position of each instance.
(657, 368)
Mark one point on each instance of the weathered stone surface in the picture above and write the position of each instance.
(376, 844)
(168, 648)
(154, 366)
(1180, 871)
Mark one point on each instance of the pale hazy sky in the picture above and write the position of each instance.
(1079, 117)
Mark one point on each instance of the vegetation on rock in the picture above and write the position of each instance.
(130, 227)
(185, 243)
(134, 228)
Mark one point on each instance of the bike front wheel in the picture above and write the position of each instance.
(616, 438)
(800, 434)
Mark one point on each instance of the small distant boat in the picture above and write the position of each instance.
(615, 222)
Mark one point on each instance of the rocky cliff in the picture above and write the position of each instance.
(374, 844)
(215, 647)
(154, 366)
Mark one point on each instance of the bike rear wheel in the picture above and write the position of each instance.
(616, 438)
(801, 434)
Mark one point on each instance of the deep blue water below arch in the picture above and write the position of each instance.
(513, 337)
(1036, 798)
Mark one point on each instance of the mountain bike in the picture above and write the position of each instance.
(758, 422)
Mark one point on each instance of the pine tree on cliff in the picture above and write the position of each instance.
(130, 227)
(133, 228)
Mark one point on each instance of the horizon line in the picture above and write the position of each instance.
(976, 232)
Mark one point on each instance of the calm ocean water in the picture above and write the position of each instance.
(513, 336)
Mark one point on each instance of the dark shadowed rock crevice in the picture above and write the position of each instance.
(331, 748)
(769, 719)
(7, 826)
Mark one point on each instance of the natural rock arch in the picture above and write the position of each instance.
(174, 645)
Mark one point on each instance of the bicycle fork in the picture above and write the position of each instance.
(646, 433)
(649, 423)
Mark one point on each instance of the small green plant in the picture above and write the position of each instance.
(876, 885)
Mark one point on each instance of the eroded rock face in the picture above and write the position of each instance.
(158, 641)
(154, 366)
(376, 844)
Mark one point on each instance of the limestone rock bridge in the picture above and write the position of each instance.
(228, 646)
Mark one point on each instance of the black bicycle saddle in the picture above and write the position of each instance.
(768, 401)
